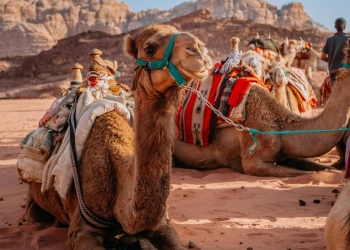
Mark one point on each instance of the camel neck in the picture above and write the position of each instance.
(335, 115)
(281, 96)
(154, 139)
(289, 58)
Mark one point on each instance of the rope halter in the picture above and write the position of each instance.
(165, 64)
(273, 79)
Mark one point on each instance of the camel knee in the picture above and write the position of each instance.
(34, 213)
(85, 240)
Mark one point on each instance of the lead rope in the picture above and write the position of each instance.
(239, 127)
(254, 132)
(90, 216)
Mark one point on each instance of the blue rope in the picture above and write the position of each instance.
(255, 144)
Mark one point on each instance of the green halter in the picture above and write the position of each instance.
(165, 64)
(273, 79)
(346, 65)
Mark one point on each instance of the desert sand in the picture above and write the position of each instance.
(218, 209)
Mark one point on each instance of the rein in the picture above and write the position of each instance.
(165, 64)
(87, 214)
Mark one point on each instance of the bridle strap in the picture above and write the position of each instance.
(165, 64)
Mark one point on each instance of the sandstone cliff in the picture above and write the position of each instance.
(45, 74)
(31, 26)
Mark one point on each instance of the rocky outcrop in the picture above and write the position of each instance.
(31, 26)
(47, 73)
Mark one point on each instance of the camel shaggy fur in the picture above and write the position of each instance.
(125, 172)
(276, 154)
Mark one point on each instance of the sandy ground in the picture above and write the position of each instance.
(219, 209)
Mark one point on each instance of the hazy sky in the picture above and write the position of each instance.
(321, 11)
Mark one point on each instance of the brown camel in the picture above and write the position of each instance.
(125, 175)
(276, 154)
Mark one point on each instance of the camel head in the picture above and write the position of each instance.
(298, 45)
(279, 75)
(170, 57)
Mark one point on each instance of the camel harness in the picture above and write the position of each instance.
(165, 64)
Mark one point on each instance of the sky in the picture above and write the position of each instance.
(322, 11)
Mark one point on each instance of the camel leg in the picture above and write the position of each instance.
(164, 237)
(82, 236)
(337, 227)
(258, 167)
(308, 73)
(341, 147)
(304, 164)
(33, 212)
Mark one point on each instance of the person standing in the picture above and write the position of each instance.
(333, 49)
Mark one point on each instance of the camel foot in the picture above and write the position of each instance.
(112, 244)
(340, 165)
(269, 169)
(305, 164)
(34, 213)
(164, 238)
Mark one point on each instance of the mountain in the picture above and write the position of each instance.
(45, 74)
(31, 26)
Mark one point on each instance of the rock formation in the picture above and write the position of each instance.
(31, 26)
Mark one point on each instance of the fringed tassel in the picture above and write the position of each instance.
(233, 59)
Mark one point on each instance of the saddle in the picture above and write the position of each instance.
(226, 92)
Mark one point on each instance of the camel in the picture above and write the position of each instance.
(313, 63)
(337, 228)
(290, 87)
(266, 47)
(290, 50)
(276, 154)
(125, 172)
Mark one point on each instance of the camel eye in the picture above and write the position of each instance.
(150, 50)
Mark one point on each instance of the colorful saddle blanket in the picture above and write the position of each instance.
(226, 92)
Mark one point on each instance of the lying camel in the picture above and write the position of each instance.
(290, 87)
(125, 175)
(276, 154)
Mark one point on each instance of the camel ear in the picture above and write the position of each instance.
(115, 65)
(130, 46)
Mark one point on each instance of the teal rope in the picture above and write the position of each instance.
(346, 65)
(255, 144)
(273, 79)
